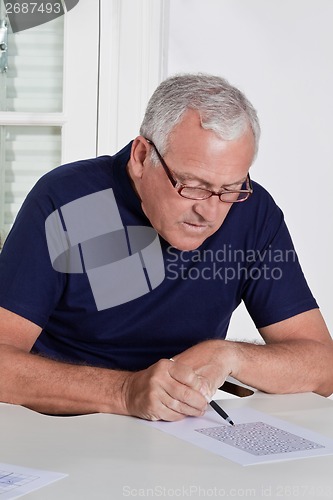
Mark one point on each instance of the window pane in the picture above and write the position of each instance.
(33, 81)
(26, 153)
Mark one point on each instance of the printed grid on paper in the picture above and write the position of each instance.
(10, 480)
(259, 438)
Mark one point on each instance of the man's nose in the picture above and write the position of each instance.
(209, 208)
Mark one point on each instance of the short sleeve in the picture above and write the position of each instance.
(275, 288)
(29, 286)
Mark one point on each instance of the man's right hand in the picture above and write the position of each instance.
(166, 390)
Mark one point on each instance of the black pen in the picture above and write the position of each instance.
(221, 412)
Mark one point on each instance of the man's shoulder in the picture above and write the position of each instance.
(80, 178)
(252, 222)
(261, 194)
(75, 172)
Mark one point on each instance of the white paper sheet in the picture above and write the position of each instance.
(17, 481)
(255, 438)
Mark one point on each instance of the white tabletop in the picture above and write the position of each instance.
(114, 457)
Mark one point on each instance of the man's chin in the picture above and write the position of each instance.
(186, 245)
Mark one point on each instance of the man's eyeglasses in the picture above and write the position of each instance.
(197, 193)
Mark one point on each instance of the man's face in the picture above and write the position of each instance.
(197, 158)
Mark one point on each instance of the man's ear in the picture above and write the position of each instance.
(139, 153)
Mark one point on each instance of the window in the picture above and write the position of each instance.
(31, 84)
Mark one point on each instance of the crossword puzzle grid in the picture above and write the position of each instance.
(259, 438)
(9, 480)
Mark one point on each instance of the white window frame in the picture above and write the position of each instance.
(81, 66)
(75, 103)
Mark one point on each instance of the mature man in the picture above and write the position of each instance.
(94, 302)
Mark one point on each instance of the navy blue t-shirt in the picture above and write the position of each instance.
(250, 258)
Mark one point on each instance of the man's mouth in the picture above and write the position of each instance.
(195, 227)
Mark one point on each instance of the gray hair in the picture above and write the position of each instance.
(222, 108)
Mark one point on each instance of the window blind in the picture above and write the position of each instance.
(29, 153)
(35, 69)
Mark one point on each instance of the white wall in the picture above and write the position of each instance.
(132, 47)
(280, 53)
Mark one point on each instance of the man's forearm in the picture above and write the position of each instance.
(284, 367)
(52, 387)
(279, 367)
(163, 391)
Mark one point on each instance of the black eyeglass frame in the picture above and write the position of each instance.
(180, 187)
